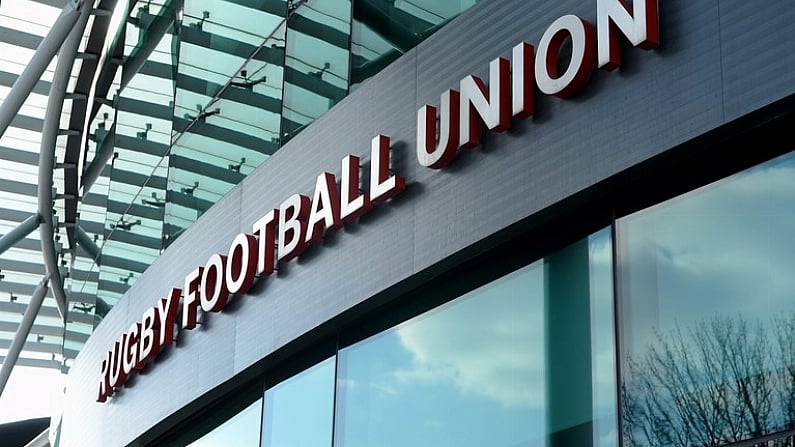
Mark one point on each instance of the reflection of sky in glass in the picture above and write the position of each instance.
(299, 411)
(475, 371)
(603, 353)
(242, 430)
(465, 374)
(703, 278)
(724, 249)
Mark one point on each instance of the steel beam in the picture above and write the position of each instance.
(22, 333)
(46, 50)
(49, 134)
(88, 245)
(20, 232)
(101, 156)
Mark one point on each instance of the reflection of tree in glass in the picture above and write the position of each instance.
(725, 381)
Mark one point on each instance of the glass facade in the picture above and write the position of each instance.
(694, 346)
(525, 359)
(316, 63)
(206, 91)
(674, 326)
(240, 430)
(510, 363)
(708, 312)
(382, 30)
(300, 410)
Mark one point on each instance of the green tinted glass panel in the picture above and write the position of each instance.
(382, 30)
(141, 133)
(316, 64)
(228, 99)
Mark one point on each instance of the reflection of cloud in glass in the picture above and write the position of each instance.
(604, 379)
(385, 389)
(726, 248)
(600, 252)
(600, 258)
(703, 276)
(489, 344)
(600, 255)
(299, 411)
(609, 439)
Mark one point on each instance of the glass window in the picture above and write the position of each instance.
(708, 316)
(603, 348)
(382, 30)
(226, 118)
(299, 412)
(316, 63)
(138, 133)
(524, 360)
(233, 420)
(242, 430)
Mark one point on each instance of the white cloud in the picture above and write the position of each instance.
(384, 389)
(489, 345)
(348, 384)
(726, 249)
(609, 439)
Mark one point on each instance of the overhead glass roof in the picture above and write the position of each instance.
(23, 25)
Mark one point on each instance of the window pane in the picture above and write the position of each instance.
(316, 63)
(227, 102)
(242, 430)
(524, 360)
(384, 30)
(603, 347)
(299, 412)
(708, 313)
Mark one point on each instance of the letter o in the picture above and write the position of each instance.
(214, 293)
(241, 263)
(583, 56)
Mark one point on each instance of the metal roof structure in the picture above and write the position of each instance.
(43, 47)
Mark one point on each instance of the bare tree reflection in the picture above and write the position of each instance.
(726, 380)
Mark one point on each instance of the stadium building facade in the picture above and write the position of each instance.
(408, 223)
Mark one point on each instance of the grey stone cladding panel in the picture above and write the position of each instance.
(758, 49)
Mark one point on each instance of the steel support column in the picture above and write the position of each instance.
(22, 332)
(88, 245)
(49, 134)
(20, 232)
(100, 160)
